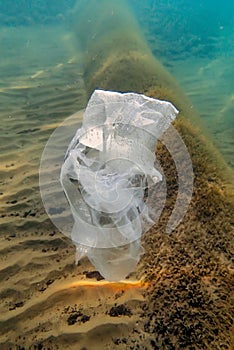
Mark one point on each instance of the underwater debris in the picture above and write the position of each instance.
(108, 172)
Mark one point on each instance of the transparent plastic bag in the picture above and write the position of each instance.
(107, 173)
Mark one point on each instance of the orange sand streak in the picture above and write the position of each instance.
(122, 285)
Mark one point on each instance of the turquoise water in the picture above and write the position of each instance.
(193, 39)
(29, 12)
(195, 42)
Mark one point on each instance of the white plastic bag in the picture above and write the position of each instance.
(108, 170)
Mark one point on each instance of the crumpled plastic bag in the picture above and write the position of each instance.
(108, 169)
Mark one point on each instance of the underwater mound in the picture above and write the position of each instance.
(188, 301)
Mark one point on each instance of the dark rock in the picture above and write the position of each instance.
(19, 304)
(120, 310)
(72, 319)
(11, 308)
(12, 235)
(94, 274)
(84, 318)
(26, 213)
(49, 282)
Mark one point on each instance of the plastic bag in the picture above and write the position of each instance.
(107, 173)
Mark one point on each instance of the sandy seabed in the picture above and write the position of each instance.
(44, 297)
(46, 301)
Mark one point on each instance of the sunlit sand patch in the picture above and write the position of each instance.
(228, 105)
(16, 87)
(59, 65)
(37, 74)
(73, 60)
(123, 285)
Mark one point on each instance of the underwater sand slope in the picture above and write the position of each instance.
(45, 299)
(187, 302)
